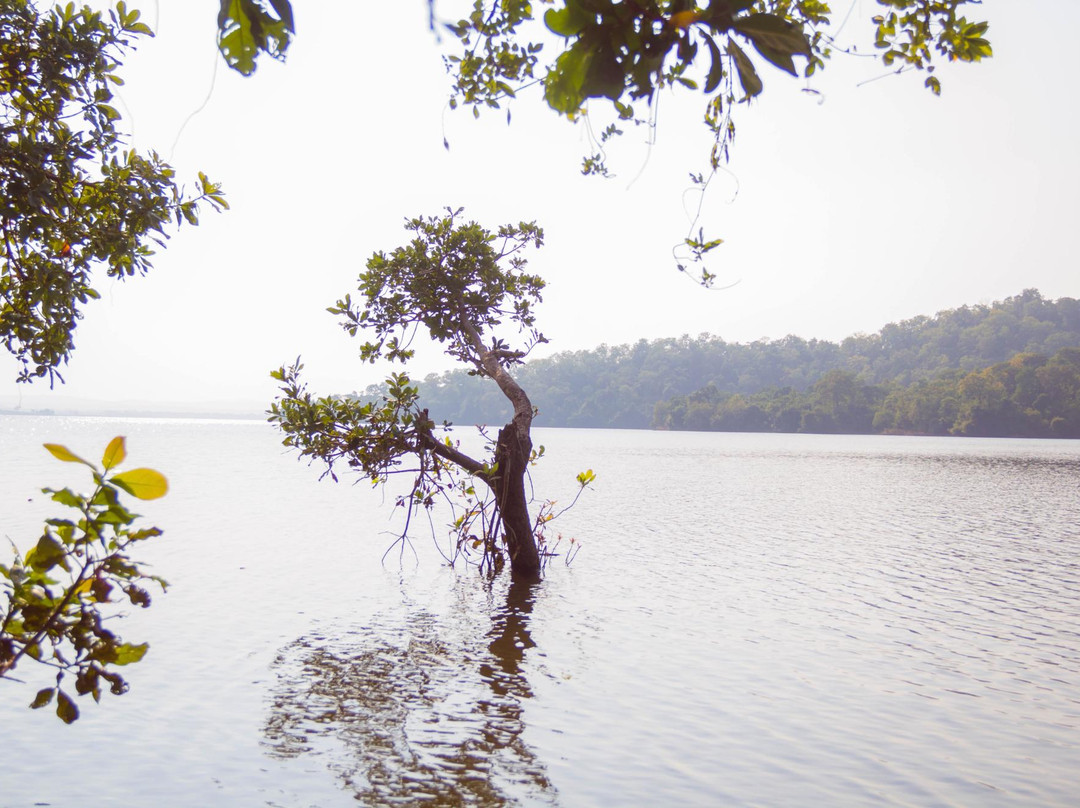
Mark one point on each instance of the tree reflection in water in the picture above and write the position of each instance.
(416, 709)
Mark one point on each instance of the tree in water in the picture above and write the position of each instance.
(450, 279)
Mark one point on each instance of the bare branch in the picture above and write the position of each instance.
(458, 458)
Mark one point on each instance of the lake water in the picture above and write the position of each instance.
(768, 620)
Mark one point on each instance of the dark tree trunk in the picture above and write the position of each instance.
(512, 451)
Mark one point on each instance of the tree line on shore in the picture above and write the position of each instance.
(1030, 396)
(641, 385)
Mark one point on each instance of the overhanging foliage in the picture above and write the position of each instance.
(622, 53)
(72, 198)
(61, 592)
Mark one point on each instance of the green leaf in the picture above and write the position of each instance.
(748, 77)
(774, 31)
(87, 682)
(65, 454)
(117, 685)
(114, 453)
(65, 708)
(142, 483)
(568, 21)
(101, 589)
(116, 515)
(144, 533)
(604, 78)
(43, 698)
(245, 28)
(138, 596)
(106, 497)
(66, 497)
(284, 11)
(774, 38)
(126, 653)
(47, 553)
(716, 71)
(235, 39)
(563, 85)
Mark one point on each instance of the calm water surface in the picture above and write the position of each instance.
(769, 620)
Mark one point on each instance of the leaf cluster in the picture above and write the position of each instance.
(370, 437)
(632, 50)
(493, 61)
(625, 52)
(379, 438)
(450, 280)
(248, 27)
(58, 594)
(71, 196)
(912, 30)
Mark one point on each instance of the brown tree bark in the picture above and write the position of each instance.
(512, 451)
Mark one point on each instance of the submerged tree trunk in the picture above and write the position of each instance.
(512, 451)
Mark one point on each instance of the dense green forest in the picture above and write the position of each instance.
(1031, 396)
(625, 386)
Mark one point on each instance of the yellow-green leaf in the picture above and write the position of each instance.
(42, 698)
(46, 554)
(114, 453)
(748, 77)
(142, 483)
(65, 708)
(586, 477)
(127, 653)
(65, 454)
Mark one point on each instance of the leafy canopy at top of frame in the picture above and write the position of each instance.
(625, 51)
(73, 197)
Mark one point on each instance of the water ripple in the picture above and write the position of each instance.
(413, 709)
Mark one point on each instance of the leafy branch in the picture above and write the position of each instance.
(58, 592)
(625, 53)
(73, 197)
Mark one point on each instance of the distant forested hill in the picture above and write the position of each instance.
(1030, 396)
(621, 386)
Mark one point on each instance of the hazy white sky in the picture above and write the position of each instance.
(869, 203)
